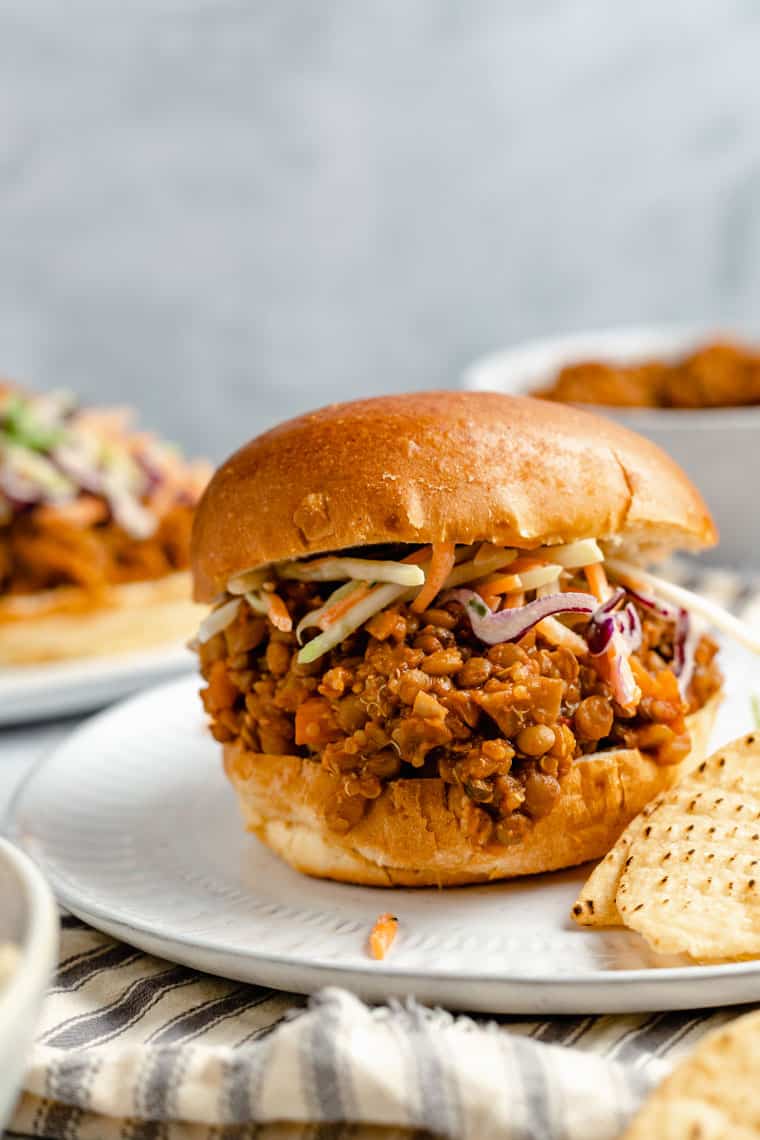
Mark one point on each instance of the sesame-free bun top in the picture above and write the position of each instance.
(437, 467)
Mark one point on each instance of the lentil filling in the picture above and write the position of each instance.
(412, 695)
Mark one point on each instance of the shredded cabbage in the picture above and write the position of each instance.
(314, 617)
(247, 580)
(218, 620)
(541, 576)
(364, 569)
(471, 570)
(710, 611)
(29, 477)
(571, 555)
(257, 602)
(365, 609)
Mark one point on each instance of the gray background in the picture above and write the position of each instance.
(226, 212)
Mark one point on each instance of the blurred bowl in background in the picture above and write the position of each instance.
(719, 448)
(28, 948)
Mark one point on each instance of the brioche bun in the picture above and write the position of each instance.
(409, 837)
(436, 467)
(67, 622)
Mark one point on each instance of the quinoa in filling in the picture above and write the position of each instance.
(412, 695)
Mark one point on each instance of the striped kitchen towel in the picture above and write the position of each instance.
(132, 1047)
(135, 1048)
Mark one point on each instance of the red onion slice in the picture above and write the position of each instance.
(511, 625)
(685, 637)
(625, 624)
(666, 610)
(614, 600)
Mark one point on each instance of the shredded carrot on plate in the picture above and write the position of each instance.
(441, 565)
(277, 612)
(382, 935)
(597, 580)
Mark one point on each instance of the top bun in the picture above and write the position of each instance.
(435, 467)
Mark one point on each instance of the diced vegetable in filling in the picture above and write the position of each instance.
(497, 685)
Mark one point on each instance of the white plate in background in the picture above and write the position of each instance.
(150, 849)
(36, 692)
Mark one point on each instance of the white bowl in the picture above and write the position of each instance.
(719, 448)
(28, 920)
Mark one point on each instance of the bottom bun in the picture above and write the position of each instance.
(55, 625)
(409, 836)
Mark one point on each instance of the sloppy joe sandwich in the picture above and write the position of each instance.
(95, 521)
(433, 655)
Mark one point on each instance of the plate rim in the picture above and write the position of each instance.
(94, 912)
(83, 684)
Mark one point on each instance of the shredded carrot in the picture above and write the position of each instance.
(441, 565)
(278, 612)
(526, 562)
(498, 584)
(512, 601)
(418, 556)
(342, 606)
(597, 580)
(382, 935)
(644, 680)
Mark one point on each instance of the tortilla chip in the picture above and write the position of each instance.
(691, 884)
(739, 760)
(713, 1095)
(595, 905)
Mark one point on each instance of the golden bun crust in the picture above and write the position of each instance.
(409, 837)
(68, 622)
(435, 467)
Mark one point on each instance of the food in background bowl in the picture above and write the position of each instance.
(717, 447)
(95, 523)
(433, 655)
(716, 375)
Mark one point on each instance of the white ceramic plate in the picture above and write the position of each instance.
(28, 921)
(35, 692)
(134, 825)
